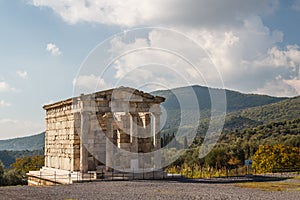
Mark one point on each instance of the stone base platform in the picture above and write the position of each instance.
(51, 176)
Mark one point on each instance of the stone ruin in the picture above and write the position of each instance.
(116, 130)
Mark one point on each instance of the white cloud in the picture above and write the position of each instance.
(287, 63)
(237, 53)
(5, 87)
(156, 61)
(88, 83)
(53, 49)
(4, 104)
(282, 58)
(244, 50)
(295, 83)
(148, 12)
(22, 74)
(277, 87)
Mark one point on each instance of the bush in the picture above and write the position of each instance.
(14, 177)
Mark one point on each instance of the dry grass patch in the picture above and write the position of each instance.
(273, 186)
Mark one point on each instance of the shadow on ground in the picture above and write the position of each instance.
(237, 179)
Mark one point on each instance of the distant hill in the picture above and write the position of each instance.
(238, 104)
(235, 100)
(30, 143)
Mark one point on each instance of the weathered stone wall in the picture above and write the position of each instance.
(61, 141)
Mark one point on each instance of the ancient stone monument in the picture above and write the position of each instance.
(112, 130)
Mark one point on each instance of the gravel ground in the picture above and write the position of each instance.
(143, 190)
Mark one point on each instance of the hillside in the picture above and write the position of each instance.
(288, 109)
(235, 100)
(243, 110)
(285, 110)
(30, 143)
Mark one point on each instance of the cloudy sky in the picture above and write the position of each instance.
(54, 49)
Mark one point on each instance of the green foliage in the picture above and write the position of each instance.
(280, 132)
(293, 141)
(236, 122)
(14, 177)
(284, 110)
(17, 174)
(28, 163)
(217, 158)
(9, 157)
(273, 158)
(240, 144)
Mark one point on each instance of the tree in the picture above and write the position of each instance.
(185, 143)
(1, 172)
(273, 158)
(28, 163)
(14, 177)
(217, 158)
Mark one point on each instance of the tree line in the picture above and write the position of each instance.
(275, 143)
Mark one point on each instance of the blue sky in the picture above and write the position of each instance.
(254, 45)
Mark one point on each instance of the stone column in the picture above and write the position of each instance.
(134, 165)
(156, 140)
(125, 143)
(147, 142)
(85, 128)
(134, 132)
(109, 141)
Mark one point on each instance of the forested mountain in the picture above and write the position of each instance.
(243, 110)
(235, 100)
(29, 143)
